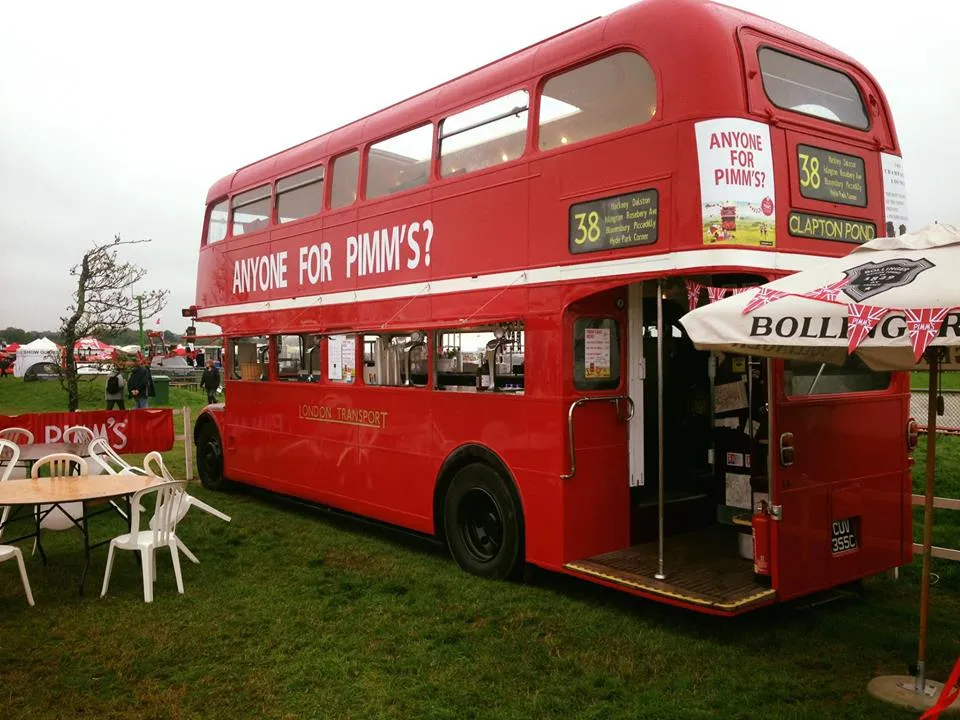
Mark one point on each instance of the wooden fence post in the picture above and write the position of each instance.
(187, 443)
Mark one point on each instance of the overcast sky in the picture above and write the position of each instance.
(116, 119)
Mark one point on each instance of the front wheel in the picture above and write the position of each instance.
(210, 458)
(482, 523)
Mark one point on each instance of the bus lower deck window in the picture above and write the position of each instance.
(487, 358)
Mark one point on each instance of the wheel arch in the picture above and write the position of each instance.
(460, 457)
(208, 416)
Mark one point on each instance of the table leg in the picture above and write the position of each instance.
(86, 545)
(37, 543)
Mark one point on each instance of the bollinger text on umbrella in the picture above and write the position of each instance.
(891, 327)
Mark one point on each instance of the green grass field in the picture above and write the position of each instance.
(298, 613)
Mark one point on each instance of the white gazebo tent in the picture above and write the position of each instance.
(40, 350)
(908, 281)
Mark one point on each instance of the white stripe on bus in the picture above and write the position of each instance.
(686, 260)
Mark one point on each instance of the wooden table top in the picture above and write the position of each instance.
(30, 491)
(36, 451)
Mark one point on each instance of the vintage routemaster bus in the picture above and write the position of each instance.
(459, 315)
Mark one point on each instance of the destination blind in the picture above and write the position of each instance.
(614, 222)
(831, 176)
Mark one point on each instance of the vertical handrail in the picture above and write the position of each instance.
(659, 575)
(615, 399)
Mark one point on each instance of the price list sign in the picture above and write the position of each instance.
(614, 222)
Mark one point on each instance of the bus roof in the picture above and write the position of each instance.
(656, 27)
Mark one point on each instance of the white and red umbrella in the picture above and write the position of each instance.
(894, 302)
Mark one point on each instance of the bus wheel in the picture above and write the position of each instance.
(482, 523)
(210, 458)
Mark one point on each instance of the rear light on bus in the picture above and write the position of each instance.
(913, 434)
(786, 449)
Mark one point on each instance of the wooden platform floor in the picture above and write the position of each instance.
(702, 567)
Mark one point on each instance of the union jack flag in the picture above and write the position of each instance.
(716, 293)
(693, 293)
(764, 296)
(923, 324)
(830, 293)
(861, 319)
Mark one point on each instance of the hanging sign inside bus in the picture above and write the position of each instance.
(736, 182)
(831, 176)
(394, 249)
(614, 222)
(824, 227)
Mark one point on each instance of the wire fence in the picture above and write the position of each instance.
(947, 422)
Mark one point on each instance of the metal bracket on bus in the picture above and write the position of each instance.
(776, 512)
(577, 403)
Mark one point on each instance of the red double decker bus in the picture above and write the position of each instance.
(459, 315)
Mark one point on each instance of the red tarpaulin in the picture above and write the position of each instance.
(11, 348)
(127, 431)
(90, 349)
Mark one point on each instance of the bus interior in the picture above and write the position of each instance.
(714, 445)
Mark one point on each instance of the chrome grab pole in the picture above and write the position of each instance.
(659, 575)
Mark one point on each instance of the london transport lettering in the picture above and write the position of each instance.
(614, 222)
(893, 326)
(824, 227)
(394, 249)
(831, 176)
(343, 416)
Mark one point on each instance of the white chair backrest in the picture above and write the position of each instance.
(60, 464)
(9, 455)
(19, 435)
(78, 434)
(106, 457)
(155, 458)
(167, 511)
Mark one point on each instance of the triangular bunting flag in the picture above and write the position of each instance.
(861, 319)
(737, 291)
(923, 324)
(830, 292)
(693, 293)
(764, 296)
(716, 293)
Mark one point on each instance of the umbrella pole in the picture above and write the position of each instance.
(659, 575)
(934, 360)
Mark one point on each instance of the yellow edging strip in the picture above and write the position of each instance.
(658, 591)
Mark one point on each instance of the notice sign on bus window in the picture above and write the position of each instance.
(831, 176)
(736, 182)
(614, 222)
(596, 347)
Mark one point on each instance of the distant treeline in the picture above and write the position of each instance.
(126, 337)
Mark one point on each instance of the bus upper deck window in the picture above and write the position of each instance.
(217, 222)
(805, 87)
(251, 210)
(346, 169)
(601, 97)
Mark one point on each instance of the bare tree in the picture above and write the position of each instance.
(103, 304)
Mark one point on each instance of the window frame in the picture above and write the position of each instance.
(531, 92)
(239, 201)
(541, 83)
(278, 193)
(225, 200)
(364, 169)
(761, 46)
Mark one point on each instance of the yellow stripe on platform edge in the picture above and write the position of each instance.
(658, 591)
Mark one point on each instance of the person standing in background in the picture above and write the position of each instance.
(114, 393)
(141, 385)
(210, 381)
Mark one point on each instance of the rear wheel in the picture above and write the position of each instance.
(482, 523)
(210, 458)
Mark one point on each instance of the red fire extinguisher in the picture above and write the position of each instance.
(761, 541)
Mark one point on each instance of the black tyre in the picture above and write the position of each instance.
(483, 524)
(210, 458)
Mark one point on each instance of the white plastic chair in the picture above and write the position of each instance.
(107, 459)
(78, 434)
(21, 436)
(155, 458)
(9, 455)
(61, 465)
(169, 498)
